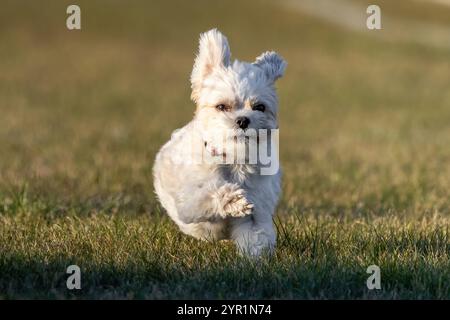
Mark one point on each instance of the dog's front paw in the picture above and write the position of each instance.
(232, 201)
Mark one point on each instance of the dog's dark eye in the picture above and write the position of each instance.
(259, 107)
(222, 107)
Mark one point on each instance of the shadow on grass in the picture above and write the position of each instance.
(273, 278)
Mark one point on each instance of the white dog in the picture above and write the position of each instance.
(212, 200)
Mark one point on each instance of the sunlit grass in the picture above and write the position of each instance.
(364, 130)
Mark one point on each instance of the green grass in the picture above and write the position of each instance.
(364, 128)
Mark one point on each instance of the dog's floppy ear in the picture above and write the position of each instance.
(272, 64)
(214, 52)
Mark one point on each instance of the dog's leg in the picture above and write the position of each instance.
(253, 237)
(213, 201)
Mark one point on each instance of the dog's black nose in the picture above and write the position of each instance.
(242, 122)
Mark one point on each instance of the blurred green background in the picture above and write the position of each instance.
(364, 115)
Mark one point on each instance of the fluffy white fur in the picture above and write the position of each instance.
(217, 201)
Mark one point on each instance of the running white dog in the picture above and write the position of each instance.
(212, 200)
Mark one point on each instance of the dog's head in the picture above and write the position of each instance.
(233, 97)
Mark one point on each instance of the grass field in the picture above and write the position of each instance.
(364, 142)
